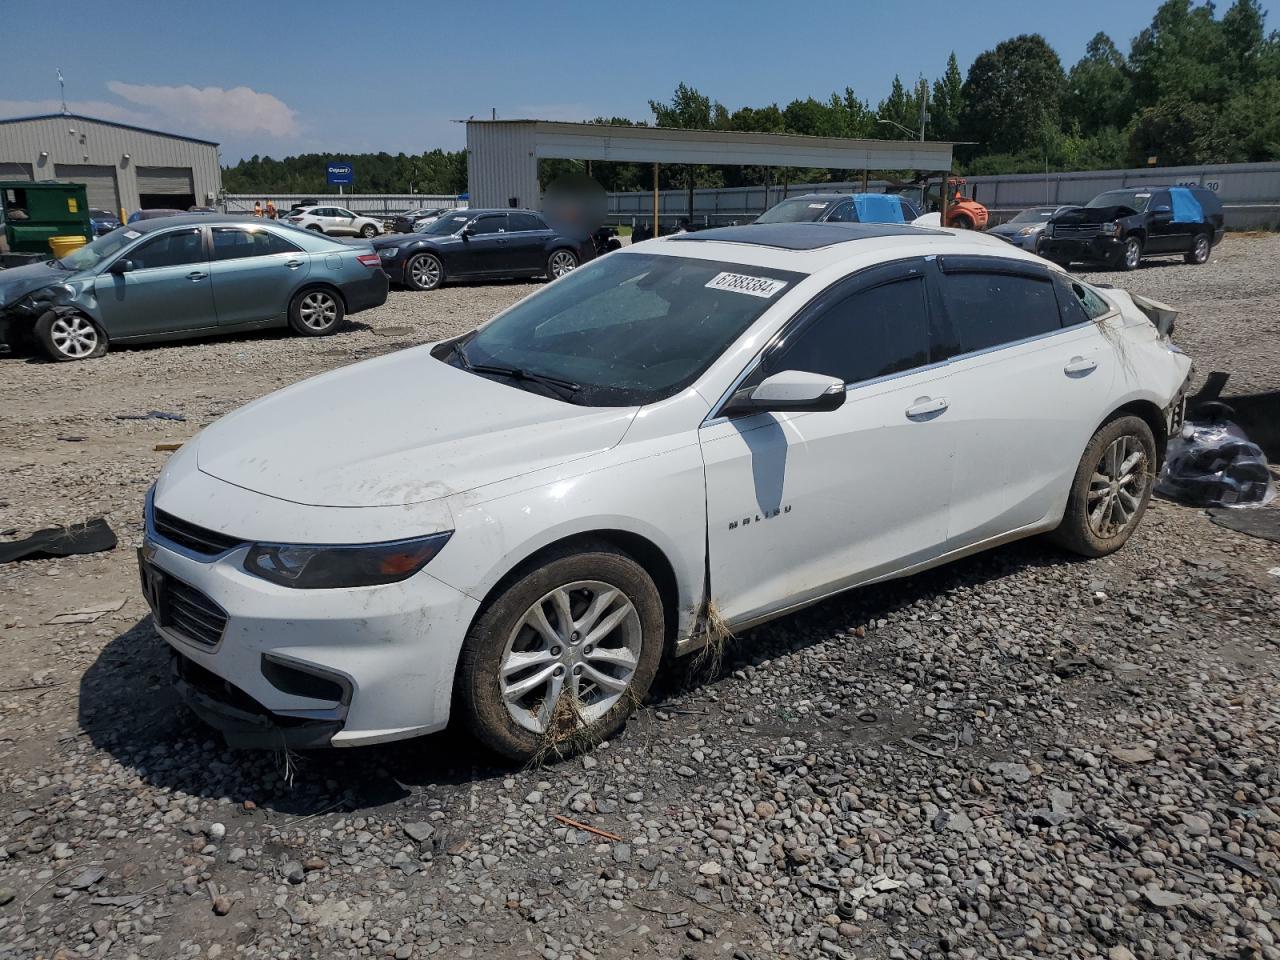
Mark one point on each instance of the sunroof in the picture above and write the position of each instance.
(804, 236)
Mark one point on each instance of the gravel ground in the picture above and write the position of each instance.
(1019, 755)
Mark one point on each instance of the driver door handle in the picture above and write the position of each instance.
(196, 275)
(293, 264)
(926, 406)
(1080, 365)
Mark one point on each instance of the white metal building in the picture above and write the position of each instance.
(120, 165)
(503, 155)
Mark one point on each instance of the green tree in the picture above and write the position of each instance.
(1099, 90)
(1011, 93)
(948, 102)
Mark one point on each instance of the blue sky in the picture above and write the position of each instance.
(285, 76)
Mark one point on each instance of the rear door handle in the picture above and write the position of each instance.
(927, 406)
(294, 264)
(1080, 365)
(196, 275)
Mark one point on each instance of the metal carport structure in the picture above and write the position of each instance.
(503, 155)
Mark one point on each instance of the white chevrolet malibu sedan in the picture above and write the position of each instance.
(524, 523)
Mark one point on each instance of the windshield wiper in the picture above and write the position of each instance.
(563, 388)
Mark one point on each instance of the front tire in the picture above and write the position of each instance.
(316, 312)
(559, 660)
(1111, 489)
(424, 272)
(1131, 254)
(561, 262)
(1199, 252)
(69, 336)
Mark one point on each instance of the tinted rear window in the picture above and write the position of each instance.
(991, 309)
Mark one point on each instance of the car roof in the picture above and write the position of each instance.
(191, 219)
(801, 236)
(815, 247)
(842, 196)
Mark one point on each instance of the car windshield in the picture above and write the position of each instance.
(1135, 200)
(800, 210)
(1034, 215)
(96, 251)
(447, 224)
(627, 329)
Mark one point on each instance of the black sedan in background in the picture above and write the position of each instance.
(482, 244)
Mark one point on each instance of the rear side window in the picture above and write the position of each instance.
(232, 243)
(869, 334)
(1079, 303)
(524, 221)
(991, 309)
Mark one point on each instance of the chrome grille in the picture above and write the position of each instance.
(207, 543)
(185, 610)
(1076, 231)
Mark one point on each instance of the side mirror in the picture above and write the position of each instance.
(469, 231)
(1162, 212)
(790, 391)
(121, 267)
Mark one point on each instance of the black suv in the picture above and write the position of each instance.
(1120, 227)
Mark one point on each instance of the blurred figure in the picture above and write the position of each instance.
(257, 208)
(271, 210)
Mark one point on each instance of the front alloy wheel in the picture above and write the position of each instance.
(561, 656)
(424, 272)
(560, 263)
(69, 336)
(1132, 255)
(580, 642)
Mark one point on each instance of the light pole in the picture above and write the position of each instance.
(907, 130)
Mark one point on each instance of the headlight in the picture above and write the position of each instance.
(1110, 229)
(360, 565)
(388, 253)
(1026, 231)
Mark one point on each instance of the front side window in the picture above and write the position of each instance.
(991, 309)
(232, 243)
(494, 224)
(448, 224)
(628, 329)
(869, 334)
(174, 249)
(340, 212)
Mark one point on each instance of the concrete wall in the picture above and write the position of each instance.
(44, 143)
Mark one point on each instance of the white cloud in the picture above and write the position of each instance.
(239, 110)
(101, 109)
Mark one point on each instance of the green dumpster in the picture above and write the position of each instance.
(34, 212)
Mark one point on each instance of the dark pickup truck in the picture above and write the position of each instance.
(1120, 227)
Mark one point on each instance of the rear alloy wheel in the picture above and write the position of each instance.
(424, 272)
(1111, 490)
(560, 263)
(368, 231)
(1131, 255)
(316, 227)
(558, 661)
(69, 336)
(1199, 252)
(316, 313)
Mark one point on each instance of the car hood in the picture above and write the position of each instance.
(401, 429)
(17, 282)
(1094, 214)
(1012, 229)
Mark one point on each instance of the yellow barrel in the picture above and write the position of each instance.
(61, 246)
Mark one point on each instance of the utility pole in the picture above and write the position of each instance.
(62, 90)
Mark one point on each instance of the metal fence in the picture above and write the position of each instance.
(369, 204)
(1250, 194)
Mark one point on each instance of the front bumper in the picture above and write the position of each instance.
(363, 294)
(270, 665)
(1090, 250)
(394, 269)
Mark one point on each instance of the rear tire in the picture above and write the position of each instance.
(316, 312)
(1199, 252)
(316, 227)
(561, 262)
(515, 682)
(368, 231)
(424, 271)
(69, 336)
(1111, 489)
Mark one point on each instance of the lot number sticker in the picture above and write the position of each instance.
(764, 287)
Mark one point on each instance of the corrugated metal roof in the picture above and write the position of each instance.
(110, 123)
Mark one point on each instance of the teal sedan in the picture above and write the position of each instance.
(192, 276)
